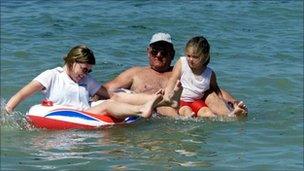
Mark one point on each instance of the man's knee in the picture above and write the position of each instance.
(210, 97)
(185, 111)
(205, 112)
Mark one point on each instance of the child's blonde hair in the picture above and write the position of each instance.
(201, 46)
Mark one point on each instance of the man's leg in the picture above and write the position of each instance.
(205, 112)
(217, 104)
(186, 111)
(238, 105)
(220, 107)
(167, 111)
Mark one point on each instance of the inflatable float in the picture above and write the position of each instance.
(56, 117)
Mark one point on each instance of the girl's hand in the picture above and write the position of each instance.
(8, 110)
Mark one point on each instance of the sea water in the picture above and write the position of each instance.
(256, 52)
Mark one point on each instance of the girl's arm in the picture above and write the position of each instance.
(22, 94)
(227, 97)
(176, 74)
(214, 86)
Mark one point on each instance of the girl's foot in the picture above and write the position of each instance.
(147, 109)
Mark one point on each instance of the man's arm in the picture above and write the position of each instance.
(214, 86)
(123, 80)
(225, 95)
(220, 101)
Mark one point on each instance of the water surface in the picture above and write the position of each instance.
(256, 52)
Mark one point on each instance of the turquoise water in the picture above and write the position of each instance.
(257, 53)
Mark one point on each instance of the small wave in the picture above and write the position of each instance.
(204, 119)
(186, 153)
(15, 120)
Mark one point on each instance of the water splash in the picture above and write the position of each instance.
(15, 120)
(208, 119)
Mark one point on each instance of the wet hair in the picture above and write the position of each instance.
(80, 54)
(201, 45)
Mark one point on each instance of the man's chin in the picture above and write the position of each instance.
(160, 69)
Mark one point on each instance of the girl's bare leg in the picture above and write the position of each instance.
(135, 99)
(172, 98)
(147, 108)
(122, 110)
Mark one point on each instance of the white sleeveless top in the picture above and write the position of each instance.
(62, 90)
(194, 86)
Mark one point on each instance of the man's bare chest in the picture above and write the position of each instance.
(149, 82)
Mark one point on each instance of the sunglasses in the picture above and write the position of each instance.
(85, 70)
(155, 51)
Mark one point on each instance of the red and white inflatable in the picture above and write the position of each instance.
(57, 117)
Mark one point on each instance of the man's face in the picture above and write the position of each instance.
(160, 56)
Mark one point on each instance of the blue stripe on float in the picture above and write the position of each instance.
(131, 119)
(71, 114)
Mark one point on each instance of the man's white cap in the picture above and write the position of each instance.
(161, 37)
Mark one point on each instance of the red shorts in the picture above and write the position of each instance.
(195, 105)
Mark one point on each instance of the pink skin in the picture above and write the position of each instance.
(78, 71)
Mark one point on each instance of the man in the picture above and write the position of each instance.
(154, 77)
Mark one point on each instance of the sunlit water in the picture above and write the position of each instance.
(257, 54)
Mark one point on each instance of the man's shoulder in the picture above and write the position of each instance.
(144, 71)
(133, 71)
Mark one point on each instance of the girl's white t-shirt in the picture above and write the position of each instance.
(62, 90)
(194, 86)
